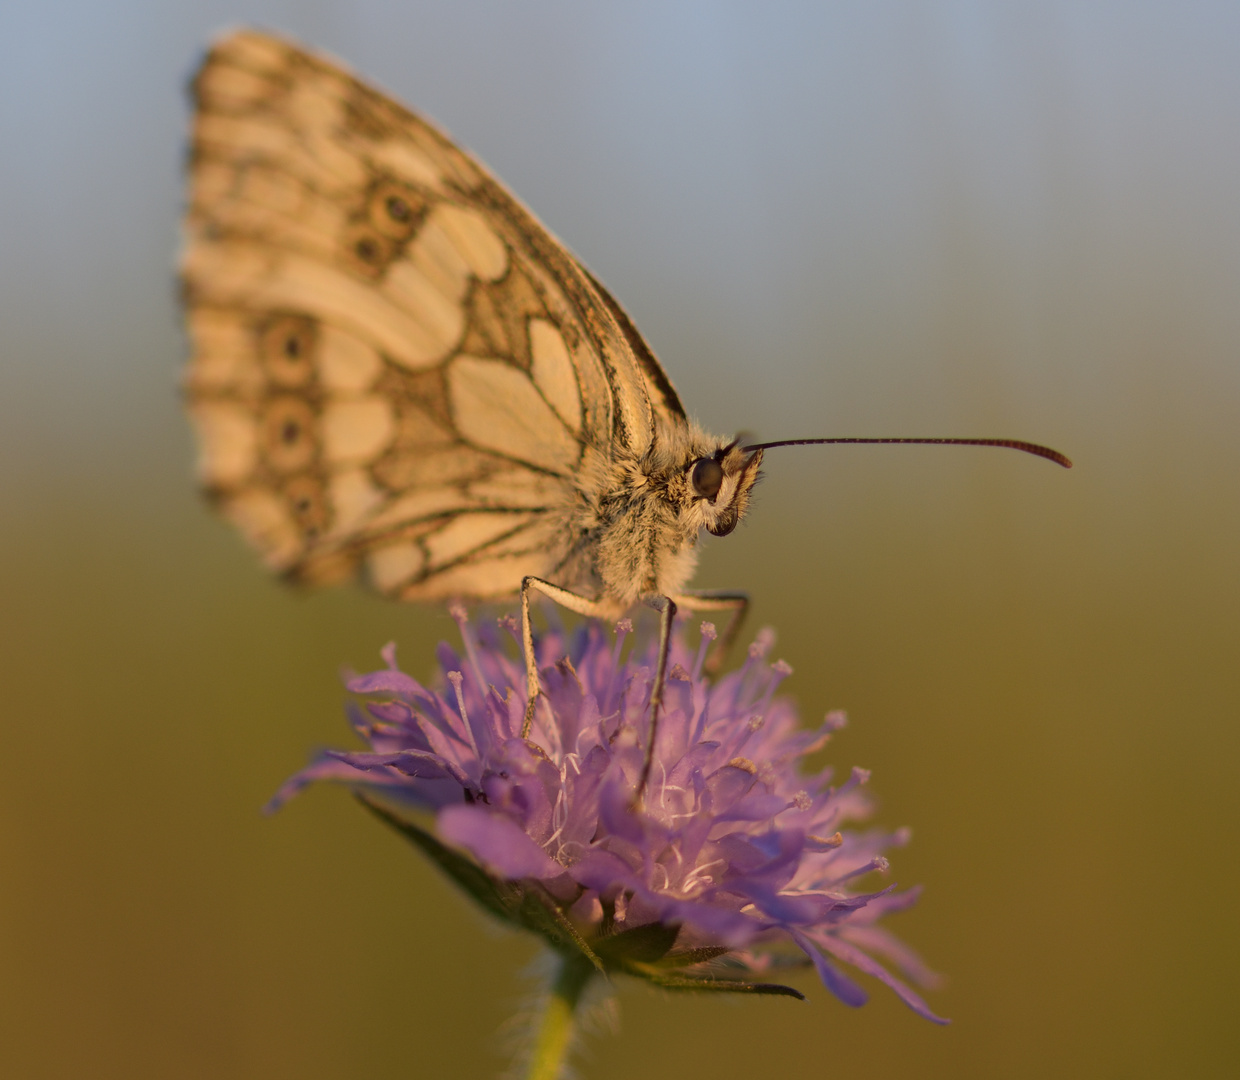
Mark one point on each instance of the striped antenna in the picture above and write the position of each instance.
(1011, 444)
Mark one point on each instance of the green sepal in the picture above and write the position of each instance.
(522, 904)
(688, 957)
(541, 914)
(646, 943)
(651, 973)
(497, 897)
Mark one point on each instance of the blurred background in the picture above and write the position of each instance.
(881, 219)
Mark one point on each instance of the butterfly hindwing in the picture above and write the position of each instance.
(393, 363)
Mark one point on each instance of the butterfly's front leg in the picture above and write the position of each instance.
(712, 600)
(664, 605)
(580, 604)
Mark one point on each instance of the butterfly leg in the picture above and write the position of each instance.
(710, 600)
(666, 607)
(565, 599)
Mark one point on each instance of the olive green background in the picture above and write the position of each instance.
(879, 219)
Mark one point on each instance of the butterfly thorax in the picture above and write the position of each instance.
(637, 519)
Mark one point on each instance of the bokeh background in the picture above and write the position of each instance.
(871, 219)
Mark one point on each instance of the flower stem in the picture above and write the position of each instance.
(556, 1030)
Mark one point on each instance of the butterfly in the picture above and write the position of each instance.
(398, 372)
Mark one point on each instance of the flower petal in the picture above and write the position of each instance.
(384, 682)
(850, 954)
(834, 980)
(497, 842)
(416, 763)
(874, 939)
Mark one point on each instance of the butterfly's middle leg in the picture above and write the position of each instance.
(579, 604)
(666, 607)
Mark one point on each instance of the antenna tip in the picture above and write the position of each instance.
(1055, 456)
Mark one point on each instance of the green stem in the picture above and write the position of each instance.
(556, 1030)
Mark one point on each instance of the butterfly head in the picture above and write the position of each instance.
(718, 485)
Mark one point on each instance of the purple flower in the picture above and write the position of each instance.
(732, 859)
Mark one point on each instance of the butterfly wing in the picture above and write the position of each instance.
(394, 364)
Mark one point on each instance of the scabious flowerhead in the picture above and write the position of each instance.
(731, 858)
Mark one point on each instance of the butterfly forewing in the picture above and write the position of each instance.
(394, 365)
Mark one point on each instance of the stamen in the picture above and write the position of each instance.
(457, 610)
(701, 707)
(752, 726)
(702, 876)
(662, 784)
(780, 670)
(877, 863)
(623, 628)
(559, 816)
(456, 679)
(708, 636)
(856, 778)
(762, 643)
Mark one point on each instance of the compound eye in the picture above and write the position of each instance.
(707, 478)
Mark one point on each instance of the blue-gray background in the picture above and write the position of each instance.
(888, 218)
